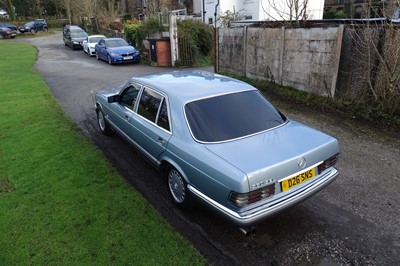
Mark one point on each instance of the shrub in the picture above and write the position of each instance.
(134, 33)
(202, 35)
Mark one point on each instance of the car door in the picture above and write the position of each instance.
(151, 126)
(85, 44)
(122, 110)
(101, 49)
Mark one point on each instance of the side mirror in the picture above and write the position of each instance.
(112, 98)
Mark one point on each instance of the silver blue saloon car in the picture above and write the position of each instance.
(218, 140)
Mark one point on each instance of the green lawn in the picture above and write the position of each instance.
(60, 200)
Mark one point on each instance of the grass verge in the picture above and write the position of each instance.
(60, 200)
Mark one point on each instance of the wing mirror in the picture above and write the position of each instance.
(112, 98)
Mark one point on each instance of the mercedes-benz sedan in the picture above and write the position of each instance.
(218, 140)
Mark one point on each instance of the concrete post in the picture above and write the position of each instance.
(173, 33)
(281, 55)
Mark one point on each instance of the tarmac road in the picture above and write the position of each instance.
(355, 220)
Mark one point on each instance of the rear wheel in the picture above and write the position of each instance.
(103, 125)
(1, 36)
(45, 29)
(177, 188)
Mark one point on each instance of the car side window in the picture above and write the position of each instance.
(149, 104)
(129, 95)
(163, 120)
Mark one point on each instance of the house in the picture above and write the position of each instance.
(259, 10)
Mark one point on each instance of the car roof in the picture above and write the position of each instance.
(189, 85)
(114, 39)
(90, 36)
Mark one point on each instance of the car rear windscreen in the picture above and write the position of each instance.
(231, 116)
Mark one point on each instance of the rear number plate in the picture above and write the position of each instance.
(297, 180)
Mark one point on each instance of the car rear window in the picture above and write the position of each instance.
(231, 116)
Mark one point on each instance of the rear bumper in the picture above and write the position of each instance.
(262, 212)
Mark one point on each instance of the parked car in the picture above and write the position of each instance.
(34, 26)
(3, 14)
(116, 51)
(7, 33)
(73, 36)
(90, 42)
(8, 25)
(220, 141)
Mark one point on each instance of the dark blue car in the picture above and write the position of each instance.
(34, 26)
(116, 51)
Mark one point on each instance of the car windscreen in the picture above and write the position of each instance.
(116, 43)
(78, 34)
(231, 116)
(95, 39)
(29, 24)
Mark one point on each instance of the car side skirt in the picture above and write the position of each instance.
(255, 215)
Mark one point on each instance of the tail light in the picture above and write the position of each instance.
(328, 163)
(243, 199)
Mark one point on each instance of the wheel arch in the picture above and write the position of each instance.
(165, 163)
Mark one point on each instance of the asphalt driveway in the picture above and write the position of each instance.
(353, 221)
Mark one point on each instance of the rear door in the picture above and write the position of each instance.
(151, 126)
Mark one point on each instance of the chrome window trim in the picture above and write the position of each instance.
(136, 106)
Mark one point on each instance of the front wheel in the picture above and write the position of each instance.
(97, 56)
(103, 125)
(109, 60)
(32, 31)
(178, 190)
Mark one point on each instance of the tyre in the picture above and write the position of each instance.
(103, 125)
(88, 51)
(45, 29)
(32, 31)
(177, 188)
(1, 36)
(109, 60)
(97, 56)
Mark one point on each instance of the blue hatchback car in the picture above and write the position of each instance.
(219, 141)
(116, 51)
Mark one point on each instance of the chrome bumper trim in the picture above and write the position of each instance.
(252, 216)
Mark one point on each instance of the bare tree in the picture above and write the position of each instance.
(68, 5)
(377, 55)
(287, 10)
(11, 10)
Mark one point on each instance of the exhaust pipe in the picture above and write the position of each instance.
(248, 231)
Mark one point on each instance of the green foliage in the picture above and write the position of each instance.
(126, 17)
(151, 26)
(202, 35)
(329, 15)
(340, 15)
(62, 203)
(134, 33)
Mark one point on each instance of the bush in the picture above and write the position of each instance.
(202, 35)
(134, 33)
